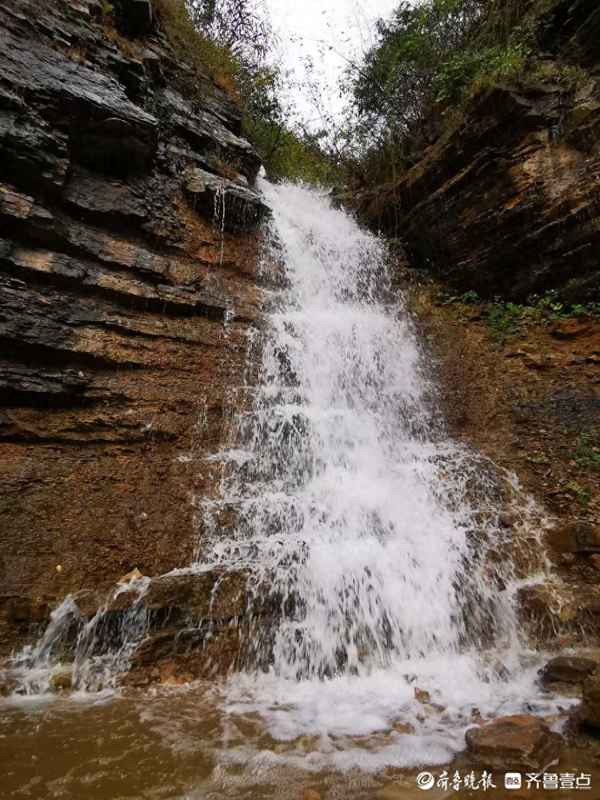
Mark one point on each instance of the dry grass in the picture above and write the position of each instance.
(207, 58)
(129, 47)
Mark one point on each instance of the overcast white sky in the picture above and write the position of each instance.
(303, 26)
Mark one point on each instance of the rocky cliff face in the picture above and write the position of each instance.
(507, 203)
(127, 290)
(507, 200)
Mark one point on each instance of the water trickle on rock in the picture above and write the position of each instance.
(219, 216)
(99, 648)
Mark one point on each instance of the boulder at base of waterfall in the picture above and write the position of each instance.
(519, 741)
(61, 680)
(568, 669)
(212, 595)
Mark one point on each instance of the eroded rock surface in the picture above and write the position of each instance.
(519, 741)
(125, 302)
(507, 200)
(590, 709)
(568, 669)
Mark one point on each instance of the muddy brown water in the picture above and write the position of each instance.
(179, 744)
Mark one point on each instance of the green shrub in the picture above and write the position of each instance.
(476, 69)
(240, 70)
(428, 60)
(583, 494)
(290, 155)
(587, 454)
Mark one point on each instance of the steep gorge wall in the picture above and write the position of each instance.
(507, 200)
(126, 296)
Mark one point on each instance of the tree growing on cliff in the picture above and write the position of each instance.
(241, 26)
(233, 41)
(426, 58)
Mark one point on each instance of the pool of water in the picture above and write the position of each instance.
(186, 743)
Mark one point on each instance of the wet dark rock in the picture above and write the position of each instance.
(115, 146)
(61, 679)
(114, 294)
(24, 380)
(8, 685)
(168, 643)
(130, 577)
(40, 71)
(206, 132)
(590, 707)
(568, 669)
(572, 25)
(25, 609)
(577, 537)
(560, 614)
(422, 696)
(519, 742)
(31, 150)
(136, 16)
(208, 595)
(233, 205)
(92, 192)
(507, 519)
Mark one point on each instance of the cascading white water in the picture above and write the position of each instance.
(371, 539)
(102, 646)
(373, 533)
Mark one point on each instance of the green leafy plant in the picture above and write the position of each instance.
(476, 69)
(228, 40)
(583, 494)
(205, 55)
(506, 319)
(467, 298)
(587, 454)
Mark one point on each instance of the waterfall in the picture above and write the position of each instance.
(99, 649)
(378, 538)
(375, 540)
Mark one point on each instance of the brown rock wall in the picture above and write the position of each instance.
(124, 311)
